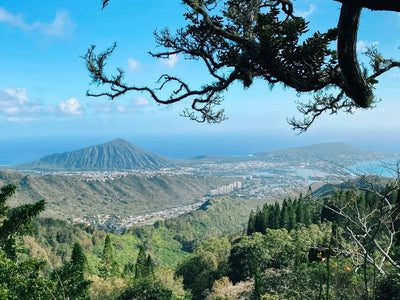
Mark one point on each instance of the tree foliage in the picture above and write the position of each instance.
(364, 217)
(144, 267)
(288, 215)
(24, 280)
(244, 40)
(78, 258)
(207, 264)
(19, 279)
(110, 266)
(70, 278)
(146, 289)
(15, 222)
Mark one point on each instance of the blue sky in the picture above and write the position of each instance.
(43, 80)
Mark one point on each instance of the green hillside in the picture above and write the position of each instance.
(72, 196)
(208, 254)
(168, 241)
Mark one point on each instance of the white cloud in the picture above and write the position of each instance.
(304, 13)
(14, 102)
(133, 64)
(70, 106)
(16, 105)
(60, 26)
(170, 61)
(363, 45)
(14, 20)
(141, 101)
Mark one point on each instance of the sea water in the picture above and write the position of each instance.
(23, 150)
(384, 167)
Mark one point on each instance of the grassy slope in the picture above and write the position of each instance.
(70, 196)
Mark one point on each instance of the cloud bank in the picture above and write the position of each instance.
(61, 25)
(14, 103)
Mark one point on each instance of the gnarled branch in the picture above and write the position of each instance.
(259, 39)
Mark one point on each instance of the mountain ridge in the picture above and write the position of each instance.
(319, 147)
(74, 196)
(121, 155)
(332, 152)
(115, 155)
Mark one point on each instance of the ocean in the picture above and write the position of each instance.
(384, 167)
(22, 150)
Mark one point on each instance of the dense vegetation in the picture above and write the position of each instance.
(342, 246)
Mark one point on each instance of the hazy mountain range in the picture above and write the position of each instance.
(328, 152)
(127, 194)
(120, 155)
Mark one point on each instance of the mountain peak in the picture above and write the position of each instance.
(118, 141)
(114, 155)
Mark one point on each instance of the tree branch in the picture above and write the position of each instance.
(355, 84)
(388, 5)
(259, 39)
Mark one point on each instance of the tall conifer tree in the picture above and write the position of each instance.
(140, 267)
(110, 267)
(78, 258)
(70, 278)
(251, 223)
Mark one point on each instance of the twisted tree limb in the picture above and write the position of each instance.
(260, 39)
(355, 84)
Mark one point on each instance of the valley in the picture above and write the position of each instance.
(204, 208)
(199, 150)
